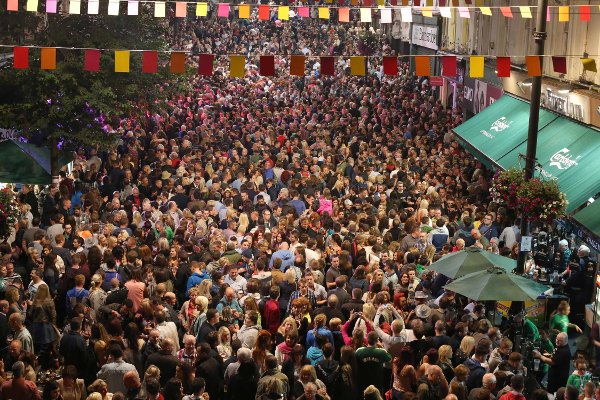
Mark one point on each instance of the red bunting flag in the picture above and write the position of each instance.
(297, 65)
(455, 3)
(442, 3)
(205, 64)
(422, 67)
(150, 62)
(21, 57)
(390, 65)
(534, 65)
(584, 13)
(449, 66)
(266, 66)
(559, 64)
(468, 2)
(392, 2)
(503, 67)
(367, 3)
(506, 11)
(263, 12)
(177, 62)
(92, 60)
(327, 67)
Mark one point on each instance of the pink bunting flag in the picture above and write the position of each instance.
(51, 6)
(223, 10)
(304, 12)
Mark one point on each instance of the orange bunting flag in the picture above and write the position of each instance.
(297, 65)
(344, 14)
(181, 9)
(534, 65)
(48, 58)
(422, 67)
(357, 66)
(237, 66)
(12, 5)
(244, 11)
(177, 62)
(506, 11)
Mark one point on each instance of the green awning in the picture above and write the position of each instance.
(27, 163)
(499, 128)
(589, 217)
(568, 153)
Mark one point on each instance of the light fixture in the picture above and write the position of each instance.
(527, 84)
(591, 200)
(564, 91)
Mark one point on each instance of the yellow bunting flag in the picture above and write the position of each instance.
(283, 13)
(121, 60)
(427, 12)
(237, 66)
(244, 11)
(477, 66)
(563, 13)
(525, 11)
(75, 7)
(201, 9)
(159, 9)
(380, 3)
(32, 5)
(589, 64)
(48, 58)
(324, 12)
(357, 65)
(365, 15)
(486, 10)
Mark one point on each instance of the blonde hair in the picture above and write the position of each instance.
(445, 353)
(467, 345)
(290, 275)
(152, 372)
(372, 392)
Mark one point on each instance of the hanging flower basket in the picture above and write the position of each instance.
(505, 186)
(9, 213)
(536, 199)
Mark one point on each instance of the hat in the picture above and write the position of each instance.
(423, 311)
(247, 253)
(165, 175)
(420, 295)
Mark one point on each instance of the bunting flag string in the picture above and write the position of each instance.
(267, 66)
(284, 13)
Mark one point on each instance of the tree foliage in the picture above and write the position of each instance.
(68, 103)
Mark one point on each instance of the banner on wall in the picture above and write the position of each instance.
(425, 36)
(535, 311)
(595, 111)
(574, 104)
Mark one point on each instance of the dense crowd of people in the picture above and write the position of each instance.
(269, 238)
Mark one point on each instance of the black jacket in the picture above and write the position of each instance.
(210, 370)
(167, 364)
(74, 350)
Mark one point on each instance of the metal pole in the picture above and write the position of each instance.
(539, 36)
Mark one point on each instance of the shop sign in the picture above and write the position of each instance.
(571, 104)
(436, 81)
(425, 36)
